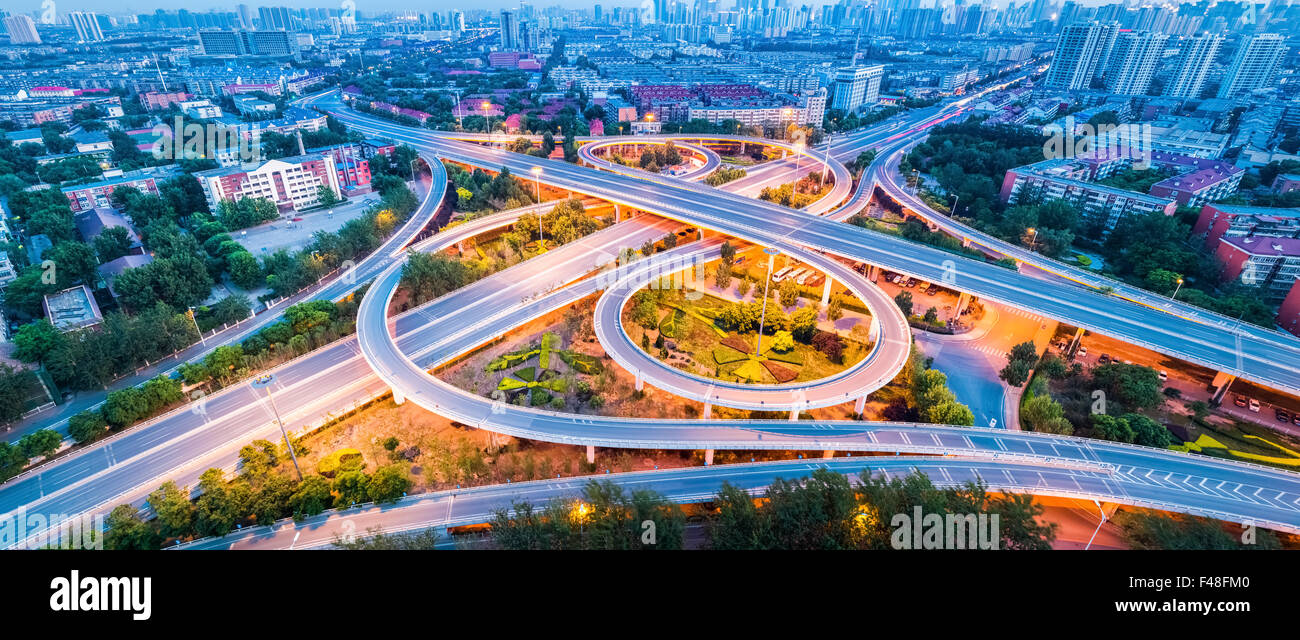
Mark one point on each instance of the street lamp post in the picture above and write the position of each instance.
(537, 182)
(1033, 237)
(487, 115)
(771, 260)
(798, 156)
(196, 327)
(1177, 288)
(265, 382)
(954, 204)
(826, 163)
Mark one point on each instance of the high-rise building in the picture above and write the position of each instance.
(273, 18)
(1134, 59)
(22, 30)
(509, 31)
(1195, 58)
(1253, 67)
(245, 17)
(456, 22)
(856, 86)
(87, 26)
(1080, 50)
(228, 42)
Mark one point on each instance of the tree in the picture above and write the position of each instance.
(789, 292)
(1015, 372)
(835, 309)
(87, 426)
(389, 483)
(352, 487)
(1148, 432)
(803, 324)
(1111, 428)
(113, 243)
(35, 340)
(783, 342)
(1157, 531)
(311, 498)
(172, 508)
(126, 530)
(219, 506)
(722, 277)
(326, 196)
(245, 270)
(1043, 414)
(41, 443)
(904, 302)
(1135, 386)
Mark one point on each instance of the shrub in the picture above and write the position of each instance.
(342, 460)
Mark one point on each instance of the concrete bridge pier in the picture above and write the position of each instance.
(708, 457)
(873, 273)
(708, 410)
(874, 329)
(618, 213)
(1078, 335)
(963, 301)
(398, 398)
(640, 383)
(860, 405)
(1221, 383)
(591, 454)
(826, 292)
(794, 415)
(827, 454)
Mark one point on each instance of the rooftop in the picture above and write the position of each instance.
(73, 308)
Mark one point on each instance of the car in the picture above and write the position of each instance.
(1239, 401)
(911, 282)
(1103, 358)
(1082, 352)
(1295, 419)
(1281, 415)
(1254, 405)
(297, 219)
(1164, 375)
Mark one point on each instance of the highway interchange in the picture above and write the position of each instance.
(185, 441)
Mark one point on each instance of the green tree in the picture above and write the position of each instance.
(172, 509)
(389, 483)
(311, 497)
(126, 530)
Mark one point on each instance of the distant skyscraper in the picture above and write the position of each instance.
(1193, 65)
(245, 17)
(1253, 67)
(509, 31)
(1133, 61)
(1080, 50)
(22, 30)
(457, 21)
(87, 26)
(276, 18)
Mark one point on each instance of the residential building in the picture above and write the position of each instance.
(1272, 264)
(291, 183)
(87, 26)
(1194, 61)
(72, 309)
(1254, 65)
(1081, 50)
(22, 30)
(1223, 220)
(1134, 59)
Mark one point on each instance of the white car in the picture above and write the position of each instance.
(1164, 375)
(1082, 352)
(1254, 405)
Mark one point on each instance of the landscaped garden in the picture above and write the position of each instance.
(716, 338)
(557, 373)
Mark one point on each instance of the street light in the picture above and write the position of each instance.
(955, 198)
(537, 182)
(771, 252)
(487, 116)
(1180, 286)
(265, 382)
(196, 327)
(1033, 237)
(798, 156)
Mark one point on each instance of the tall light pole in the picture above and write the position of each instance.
(265, 382)
(955, 198)
(205, 342)
(771, 260)
(537, 182)
(798, 156)
(826, 163)
(1033, 237)
(1180, 286)
(487, 116)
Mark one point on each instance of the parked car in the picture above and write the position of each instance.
(1164, 375)
(1281, 415)
(1239, 401)
(1295, 419)
(1082, 352)
(1254, 405)
(1103, 358)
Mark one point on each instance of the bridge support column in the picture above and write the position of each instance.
(640, 383)
(708, 457)
(708, 410)
(874, 329)
(826, 292)
(860, 405)
(398, 398)
(873, 273)
(794, 415)
(1078, 335)
(963, 301)
(618, 213)
(591, 454)
(460, 247)
(1221, 383)
(829, 453)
